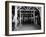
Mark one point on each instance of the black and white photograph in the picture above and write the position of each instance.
(25, 18)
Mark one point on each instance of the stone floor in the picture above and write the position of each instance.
(28, 27)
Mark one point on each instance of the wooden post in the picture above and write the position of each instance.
(34, 16)
(15, 17)
(20, 19)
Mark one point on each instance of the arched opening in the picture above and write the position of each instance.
(29, 15)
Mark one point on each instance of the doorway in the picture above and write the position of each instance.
(27, 17)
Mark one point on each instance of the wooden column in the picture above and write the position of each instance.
(20, 19)
(20, 16)
(34, 16)
(15, 17)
